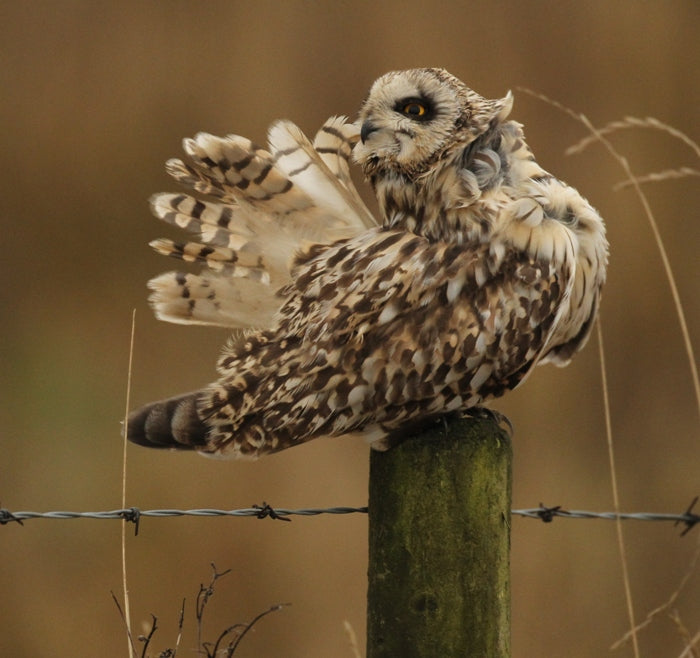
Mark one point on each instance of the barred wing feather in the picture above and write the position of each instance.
(260, 207)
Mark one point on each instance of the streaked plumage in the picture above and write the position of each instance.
(482, 266)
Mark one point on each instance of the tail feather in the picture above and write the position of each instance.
(173, 423)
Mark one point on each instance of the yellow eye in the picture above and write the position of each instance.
(414, 109)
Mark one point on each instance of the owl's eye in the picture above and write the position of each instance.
(414, 108)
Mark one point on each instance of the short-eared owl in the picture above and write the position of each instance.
(481, 266)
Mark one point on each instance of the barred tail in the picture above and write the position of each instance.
(173, 423)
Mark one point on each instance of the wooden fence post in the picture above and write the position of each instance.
(439, 544)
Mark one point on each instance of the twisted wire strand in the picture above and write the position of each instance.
(134, 514)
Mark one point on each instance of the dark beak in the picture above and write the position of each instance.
(367, 129)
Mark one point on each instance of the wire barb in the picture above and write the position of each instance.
(547, 514)
(132, 515)
(6, 517)
(690, 520)
(266, 510)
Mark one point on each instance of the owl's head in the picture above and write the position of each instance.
(410, 120)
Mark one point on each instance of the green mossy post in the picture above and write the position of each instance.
(439, 544)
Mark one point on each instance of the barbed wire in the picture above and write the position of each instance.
(133, 514)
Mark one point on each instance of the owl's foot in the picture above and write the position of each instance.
(490, 414)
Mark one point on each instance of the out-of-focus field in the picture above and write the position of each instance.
(97, 95)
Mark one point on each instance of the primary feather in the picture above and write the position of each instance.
(263, 206)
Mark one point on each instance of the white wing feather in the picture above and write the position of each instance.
(260, 207)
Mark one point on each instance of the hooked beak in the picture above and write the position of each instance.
(367, 129)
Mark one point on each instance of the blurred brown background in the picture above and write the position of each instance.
(97, 95)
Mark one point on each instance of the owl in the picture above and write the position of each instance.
(481, 266)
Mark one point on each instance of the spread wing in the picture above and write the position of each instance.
(253, 211)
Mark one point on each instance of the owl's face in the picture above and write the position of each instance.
(407, 118)
(410, 118)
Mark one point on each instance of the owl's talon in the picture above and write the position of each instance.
(490, 414)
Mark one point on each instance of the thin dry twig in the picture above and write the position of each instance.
(203, 596)
(208, 649)
(146, 639)
(205, 593)
(132, 647)
(247, 627)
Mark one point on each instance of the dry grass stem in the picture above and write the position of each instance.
(656, 177)
(664, 607)
(690, 642)
(180, 623)
(598, 135)
(616, 497)
(350, 632)
(691, 650)
(127, 612)
(632, 122)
